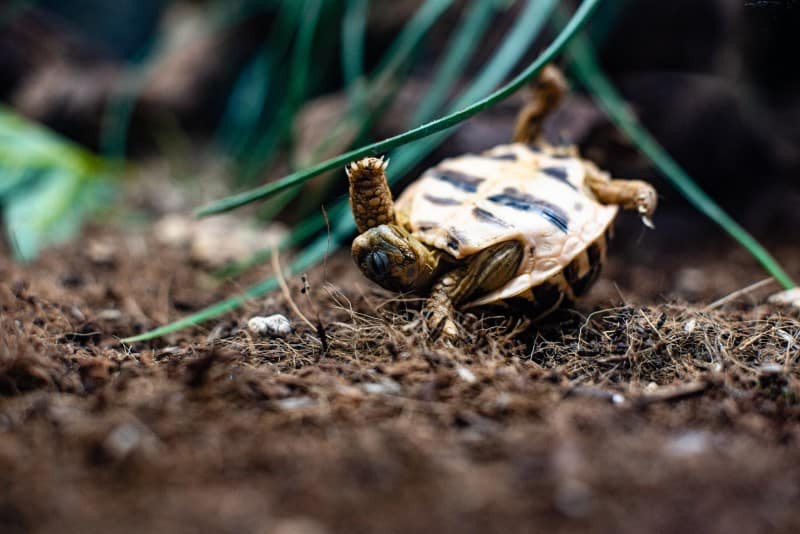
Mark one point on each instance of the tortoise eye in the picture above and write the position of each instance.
(378, 263)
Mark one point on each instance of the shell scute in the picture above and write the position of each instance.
(510, 192)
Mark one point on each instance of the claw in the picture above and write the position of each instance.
(645, 216)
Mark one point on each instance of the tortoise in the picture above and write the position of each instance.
(523, 226)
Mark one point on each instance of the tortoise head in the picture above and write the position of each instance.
(391, 257)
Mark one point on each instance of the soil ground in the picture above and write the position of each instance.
(642, 411)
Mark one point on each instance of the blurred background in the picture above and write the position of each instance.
(137, 111)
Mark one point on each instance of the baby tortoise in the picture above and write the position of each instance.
(522, 225)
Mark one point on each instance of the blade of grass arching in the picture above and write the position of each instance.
(520, 38)
(379, 89)
(344, 228)
(371, 100)
(467, 35)
(588, 72)
(308, 258)
(383, 82)
(523, 33)
(518, 41)
(300, 233)
(444, 123)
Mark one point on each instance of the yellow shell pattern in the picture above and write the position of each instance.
(511, 192)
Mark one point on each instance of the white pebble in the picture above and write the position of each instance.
(771, 369)
(689, 326)
(786, 336)
(690, 443)
(788, 297)
(466, 375)
(274, 326)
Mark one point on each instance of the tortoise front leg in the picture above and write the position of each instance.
(370, 196)
(630, 194)
(547, 92)
(488, 270)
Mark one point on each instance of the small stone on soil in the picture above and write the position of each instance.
(789, 297)
(276, 325)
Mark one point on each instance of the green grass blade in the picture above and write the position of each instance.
(527, 27)
(521, 36)
(305, 260)
(345, 227)
(241, 199)
(514, 46)
(588, 72)
(366, 101)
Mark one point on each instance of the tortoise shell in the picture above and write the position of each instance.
(514, 192)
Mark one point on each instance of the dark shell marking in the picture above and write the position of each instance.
(595, 255)
(441, 201)
(510, 156)
(560, 174)
(489, 217)
(513, 198)
(454, 239)
(580, 284)
(457, 179)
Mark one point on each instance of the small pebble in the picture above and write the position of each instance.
(126, 438)
(276, 325)
(689, 443)
(109, 314)
(466, 375)
(387, 386)
(786, 336)
(788, 297)
(294, 403)
(770, 369)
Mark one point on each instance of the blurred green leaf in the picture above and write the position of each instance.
(48, 185)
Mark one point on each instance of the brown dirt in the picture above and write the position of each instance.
(637, 412)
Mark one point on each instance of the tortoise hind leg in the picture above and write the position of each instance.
(630, 194)
(547, 92)
(488, 270)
